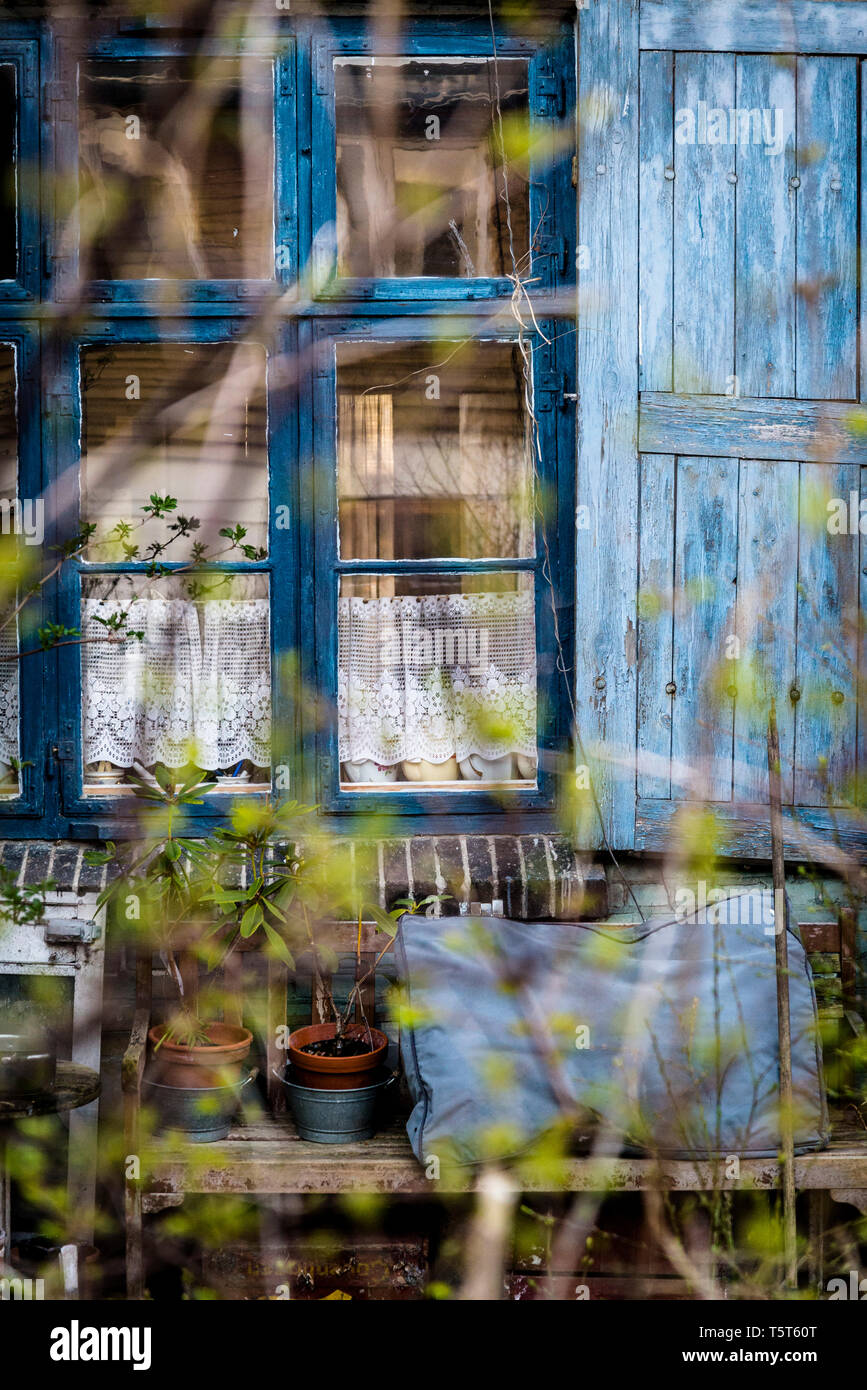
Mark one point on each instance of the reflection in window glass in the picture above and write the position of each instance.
(176, 169)
(420, 183)
(8, 174)
(433, 456)
(39, 1003)
(19, 519)
(8, 425)
(437, 680)
(176, 673)
(178, 419)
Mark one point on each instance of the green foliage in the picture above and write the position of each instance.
(22, 904)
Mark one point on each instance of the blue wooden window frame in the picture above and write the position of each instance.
(103, 812)
(34, 688)
(22, 54)
(414, 308)
(205, 291)
(550, 377)
(52, 802)
(551, 99)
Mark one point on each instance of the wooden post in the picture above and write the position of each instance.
(275, 1044)
(784, 1029)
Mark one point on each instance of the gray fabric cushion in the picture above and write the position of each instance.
(681, 1053)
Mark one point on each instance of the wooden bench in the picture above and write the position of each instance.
(264, 1156)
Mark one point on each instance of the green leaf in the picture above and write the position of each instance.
(384, 920)
(226, 897)
(189, 799)
(279, 945)
(252, 918)
(282, 891)
(97, 857)
(215, 927)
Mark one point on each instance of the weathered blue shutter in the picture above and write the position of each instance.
(719, 383)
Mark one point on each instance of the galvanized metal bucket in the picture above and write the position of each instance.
(201, 1113)
(335, 1117)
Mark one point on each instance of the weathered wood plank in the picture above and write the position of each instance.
(230, 1167)
(754, 26)
(704, 582)
(766, 615)
(861, 674)
(862, 365)
(655, 624)
(744, 830)
(606, 552)
(826, 714)
(827, 213)
(821, 937)
(749, 427)
(765, 251)
(656, 220)
(275, 1043)
(704, 220)
(848, 949)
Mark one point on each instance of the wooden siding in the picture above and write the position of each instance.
(745, 596)
(748, 249)
(745, 323)
(607, 550)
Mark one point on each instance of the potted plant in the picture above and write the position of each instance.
(335, 1075)
(177, 884)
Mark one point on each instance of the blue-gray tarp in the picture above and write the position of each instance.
(666, 1032)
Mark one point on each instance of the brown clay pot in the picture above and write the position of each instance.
(335, 1073)
(216, 1063)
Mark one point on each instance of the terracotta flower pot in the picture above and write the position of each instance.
(215, 1063)
(335, 1073)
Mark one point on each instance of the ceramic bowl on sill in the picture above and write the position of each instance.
(420, 770)
(526, 767)
(112, 778)
(365, 770)
(475, 768)
(226, 781)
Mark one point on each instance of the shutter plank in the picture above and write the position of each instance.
(825, 725)
(766, 614)
(755, 26)
(705, 572)
(656, 220)
(861, 674)
(606, 552)
(704, 218)
(765, 270)
(827, 214)
(655, 636)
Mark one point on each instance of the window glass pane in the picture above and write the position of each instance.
(21, 536)
(176, 169)
(437, 680)
(8, 174)
(8, 429)
(38, 1002)
(183, 420)
(420, 186)
(433, 456)
(176, 672)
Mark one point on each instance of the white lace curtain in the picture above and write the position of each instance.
(198, 683)
(8, 692)
(434, 675)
